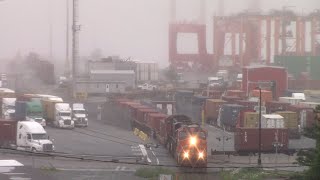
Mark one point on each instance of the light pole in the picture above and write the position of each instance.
(260, 100)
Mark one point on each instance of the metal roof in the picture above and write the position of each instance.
(111, 72)
(272, 116)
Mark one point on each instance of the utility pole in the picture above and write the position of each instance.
(50, 29)
(75, 44)
(67, 63)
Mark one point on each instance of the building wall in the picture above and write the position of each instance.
(128, 79)
(100, 87)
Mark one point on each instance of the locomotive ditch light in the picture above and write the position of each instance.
(186, 155)
(193, 141)
(201, 155)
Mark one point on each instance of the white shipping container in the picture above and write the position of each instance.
(291, 100)
(309, 104)
(272, 121)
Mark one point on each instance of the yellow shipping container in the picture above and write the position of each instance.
(290, 119)
(251, 119)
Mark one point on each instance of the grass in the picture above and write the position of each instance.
(152, 173)
(257, 174)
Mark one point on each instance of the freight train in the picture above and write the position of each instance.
(185, 140)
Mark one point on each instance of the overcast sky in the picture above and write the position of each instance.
(136, 28)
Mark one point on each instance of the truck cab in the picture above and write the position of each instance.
(63, 116)
(31, 136)
(79, 115)
(34, 112)
(8, 107)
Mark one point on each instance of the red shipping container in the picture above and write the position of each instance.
(153, 120)
(237, 93)
(265, 95)
(248, 104)
(8, 131)
(305, 115)
(231, 99)
(142, 114)
(212, 94)
(273, 106)
(133, 110)
(247, 139)
(265, 73)
(211, 110)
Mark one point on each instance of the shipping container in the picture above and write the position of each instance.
(291, 100)
(272, 121)
(20, 110)
(309, 104)
(314, 67)
(294, 64)
(231, 99)
(153, 120)
(236, 93)
(212, 94)
(290, 119)
(247, 104)
(251, 120)
(265, 95)
(240, 122)
(247, 140)
(306, 117)
(8, 130)
(254, 74)
(229, 115)
(211, 111)
(273, 106)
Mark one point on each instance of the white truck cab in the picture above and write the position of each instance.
(8, 107)
(63, 116)
(79, 115)
(31, 136)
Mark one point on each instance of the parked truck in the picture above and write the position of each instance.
(79, 115)
(24, 135)
(57, 113)
(34, 112)
(8, 107)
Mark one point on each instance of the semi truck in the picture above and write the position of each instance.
(79, 115)
(34, 112)
(24, 135)
(57, 113)
(8, 107)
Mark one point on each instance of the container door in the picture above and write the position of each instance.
(169, 109)
(303, 119)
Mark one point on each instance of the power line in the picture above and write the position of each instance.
(145, 164)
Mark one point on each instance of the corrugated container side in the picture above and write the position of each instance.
(290, 119)
(247, 139)
(265, 95)
(229, 115)
(305, 115)
(314, 67)
(20, 110)
(248, 104)
(236, 93)
(212, 94)
(212, 107)
(273, 106)
(256, 74)
(241, 117)
(267, 122)
(251, 120)
(8, 130)
(231, 99)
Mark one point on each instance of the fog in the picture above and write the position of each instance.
(129, 28)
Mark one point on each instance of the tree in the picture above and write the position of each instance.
(311, 158)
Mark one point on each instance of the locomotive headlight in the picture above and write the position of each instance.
(193, 141)
(186, 155)
(201, 155)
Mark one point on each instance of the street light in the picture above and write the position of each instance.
(259, 157)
